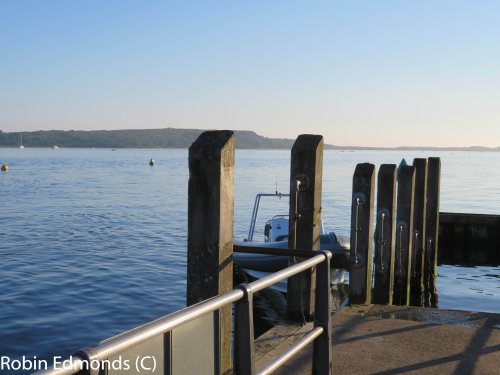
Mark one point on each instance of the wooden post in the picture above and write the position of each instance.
(210, 228)
(417, 258)
(431, 232)
(306, 176)
(404, 228)
(360, 268)
(384, 234)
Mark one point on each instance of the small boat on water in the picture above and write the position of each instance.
(276, 236)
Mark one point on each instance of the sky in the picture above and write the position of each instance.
(360, 73)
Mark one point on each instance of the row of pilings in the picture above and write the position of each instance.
(393, 256)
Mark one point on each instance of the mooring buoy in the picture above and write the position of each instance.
(5, 167)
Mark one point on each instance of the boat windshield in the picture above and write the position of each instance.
(276, 206)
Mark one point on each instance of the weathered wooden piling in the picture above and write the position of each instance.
(210, 228)
(404, 229)
(431, 232)
(417, 256)
(384, 234)
(360, 267)
(306, 176)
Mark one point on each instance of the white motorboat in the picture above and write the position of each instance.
(276, 236)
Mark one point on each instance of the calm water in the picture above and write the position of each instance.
(93, 242)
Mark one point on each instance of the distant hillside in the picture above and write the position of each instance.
(171, 138)
(144, 138)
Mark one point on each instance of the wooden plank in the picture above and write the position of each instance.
(278, 340)
(306, 176)
(404, 229)
(384, 234)
(210, 227)
(431, 232)
(417, 258)
(360, 267)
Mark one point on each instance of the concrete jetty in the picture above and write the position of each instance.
(381, 339)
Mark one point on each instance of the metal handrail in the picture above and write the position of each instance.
(178, 318)
(286, 273)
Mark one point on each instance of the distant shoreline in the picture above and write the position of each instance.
(269, 149)
(171, 138)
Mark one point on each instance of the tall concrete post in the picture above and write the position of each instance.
(210, 228)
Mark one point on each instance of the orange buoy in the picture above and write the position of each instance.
(5, 167)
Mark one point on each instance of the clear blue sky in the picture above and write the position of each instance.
(370, 73)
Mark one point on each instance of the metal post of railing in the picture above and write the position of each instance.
(322, 349)
(244, 361)
(91, 358)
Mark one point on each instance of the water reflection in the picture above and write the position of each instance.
(465, 288)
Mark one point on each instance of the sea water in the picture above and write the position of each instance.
(93, 241)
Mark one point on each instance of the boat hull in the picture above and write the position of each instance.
(339, 246)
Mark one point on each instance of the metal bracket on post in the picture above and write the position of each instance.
(383, 217)
(304, 182)
(401, 228)
(357, 260)
(244, 352)
(416, 236)
(427, 256)
(359, 199)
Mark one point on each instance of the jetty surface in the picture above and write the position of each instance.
(381, 339)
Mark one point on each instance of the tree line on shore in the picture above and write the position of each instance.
(170, 138)
(134, 138)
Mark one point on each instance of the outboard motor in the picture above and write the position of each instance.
(340, 247)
